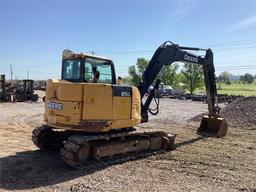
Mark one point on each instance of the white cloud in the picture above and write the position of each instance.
(183, 9)
(249, 22)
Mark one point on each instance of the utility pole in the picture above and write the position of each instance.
(11, 71)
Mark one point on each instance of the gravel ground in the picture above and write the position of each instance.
(197, 164)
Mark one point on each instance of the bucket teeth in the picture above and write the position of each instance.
(213, 127)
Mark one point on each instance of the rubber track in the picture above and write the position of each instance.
(36, 133)
(118, 159)
(74, 143)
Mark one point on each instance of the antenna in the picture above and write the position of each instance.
(67, 45)
(11, 71)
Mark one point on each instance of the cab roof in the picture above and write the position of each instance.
(68, 54)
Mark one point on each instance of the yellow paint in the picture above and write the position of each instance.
(98, 101)
(90, 102)
(69, 114)
(121, 107)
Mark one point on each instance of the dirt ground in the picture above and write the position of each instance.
(197, 164)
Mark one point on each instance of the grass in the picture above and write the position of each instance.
(234, 89)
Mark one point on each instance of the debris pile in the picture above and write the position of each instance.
(240, 113)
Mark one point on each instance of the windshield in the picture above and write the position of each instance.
(87, 70)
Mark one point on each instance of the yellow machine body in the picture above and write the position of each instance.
(91, 107)
(88, 100)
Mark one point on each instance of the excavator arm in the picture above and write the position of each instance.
(167, 54)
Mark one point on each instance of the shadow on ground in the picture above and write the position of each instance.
(33, 169)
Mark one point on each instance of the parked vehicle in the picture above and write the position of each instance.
(25, 91)
(5, 93)
(165, 91)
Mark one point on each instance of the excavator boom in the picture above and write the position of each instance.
(169, 53)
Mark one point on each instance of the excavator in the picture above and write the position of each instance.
(89, 116)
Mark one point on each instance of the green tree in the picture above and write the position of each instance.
(134, 76)
(246, 78)
(225, 77)
(170, 76)
(136, 71)
(141, 65)
(241, 78)
(193, 76)
(219, 80)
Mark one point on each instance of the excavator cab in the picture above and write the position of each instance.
(87, 69)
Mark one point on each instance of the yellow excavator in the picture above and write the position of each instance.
(89, 116)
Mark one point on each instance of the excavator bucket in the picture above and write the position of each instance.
(213, 126)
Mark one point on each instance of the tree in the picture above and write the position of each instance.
(135, 78)
(135, 71)
(219, 80)
(193, 76)
(141, 65)
(170, 75)
(246, 78)
(225, 77)
(241, 78)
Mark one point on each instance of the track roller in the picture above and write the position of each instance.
(78, 149)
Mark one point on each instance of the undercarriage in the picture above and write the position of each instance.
(77, 148)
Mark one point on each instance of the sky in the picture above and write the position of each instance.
(33, 34)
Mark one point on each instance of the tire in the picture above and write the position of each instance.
(20, 98)
(34, 98)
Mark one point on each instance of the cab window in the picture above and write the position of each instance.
(71, 69)
(97, 70)
(105, 73)
(88, 74)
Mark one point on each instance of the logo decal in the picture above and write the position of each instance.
(190, 58)
(122, 91)
(53, 105)
(125, 94)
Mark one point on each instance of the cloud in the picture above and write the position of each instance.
(246, 23)
(183, 9)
